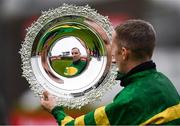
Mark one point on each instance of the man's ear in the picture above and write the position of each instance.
(125, 53)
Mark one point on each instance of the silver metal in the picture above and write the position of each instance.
(67, 52)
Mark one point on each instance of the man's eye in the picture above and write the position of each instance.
(75, 53)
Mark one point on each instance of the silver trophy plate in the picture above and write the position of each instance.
(67, 52)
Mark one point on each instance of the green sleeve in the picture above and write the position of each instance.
(97, 117)
(118, 113)
(112, 114)
(58, 113)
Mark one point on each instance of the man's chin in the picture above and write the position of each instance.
(74, 60)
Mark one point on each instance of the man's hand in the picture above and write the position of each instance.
(48, 101)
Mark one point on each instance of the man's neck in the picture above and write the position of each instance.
(132, 64)
(76, 62)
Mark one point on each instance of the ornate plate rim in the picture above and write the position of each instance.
(27, 44)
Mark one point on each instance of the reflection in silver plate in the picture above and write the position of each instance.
(67, 52)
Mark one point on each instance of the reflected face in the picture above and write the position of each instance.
(76, 54)
(64, 54)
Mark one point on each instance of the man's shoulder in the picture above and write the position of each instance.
(125, 95)
(83, 61)
(153, 87)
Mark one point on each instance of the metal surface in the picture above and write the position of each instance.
(67, 52)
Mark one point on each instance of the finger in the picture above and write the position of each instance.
(42, 101)
(46, 95)
(43, 104)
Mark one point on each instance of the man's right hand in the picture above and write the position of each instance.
(48, 101)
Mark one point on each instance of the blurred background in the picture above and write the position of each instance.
(18, 106)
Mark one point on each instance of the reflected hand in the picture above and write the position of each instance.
(48, 102)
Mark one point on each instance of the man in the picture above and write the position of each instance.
(148, 96)
(77, 65)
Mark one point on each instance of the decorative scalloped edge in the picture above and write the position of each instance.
(34, 29)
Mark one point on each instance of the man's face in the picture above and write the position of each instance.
(76, 54)
(117, 54)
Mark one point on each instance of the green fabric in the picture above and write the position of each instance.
(79, 66)
(71, 123)
(148, 93)
(58, 113)
(89, 118)
(174, 122)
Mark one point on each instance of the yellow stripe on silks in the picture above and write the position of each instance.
(167, 115)
(101, 117)
(79, 121)
(66, 120)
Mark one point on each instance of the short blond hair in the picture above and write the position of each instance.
(137, 35)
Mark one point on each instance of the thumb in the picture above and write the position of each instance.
(46, 95)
